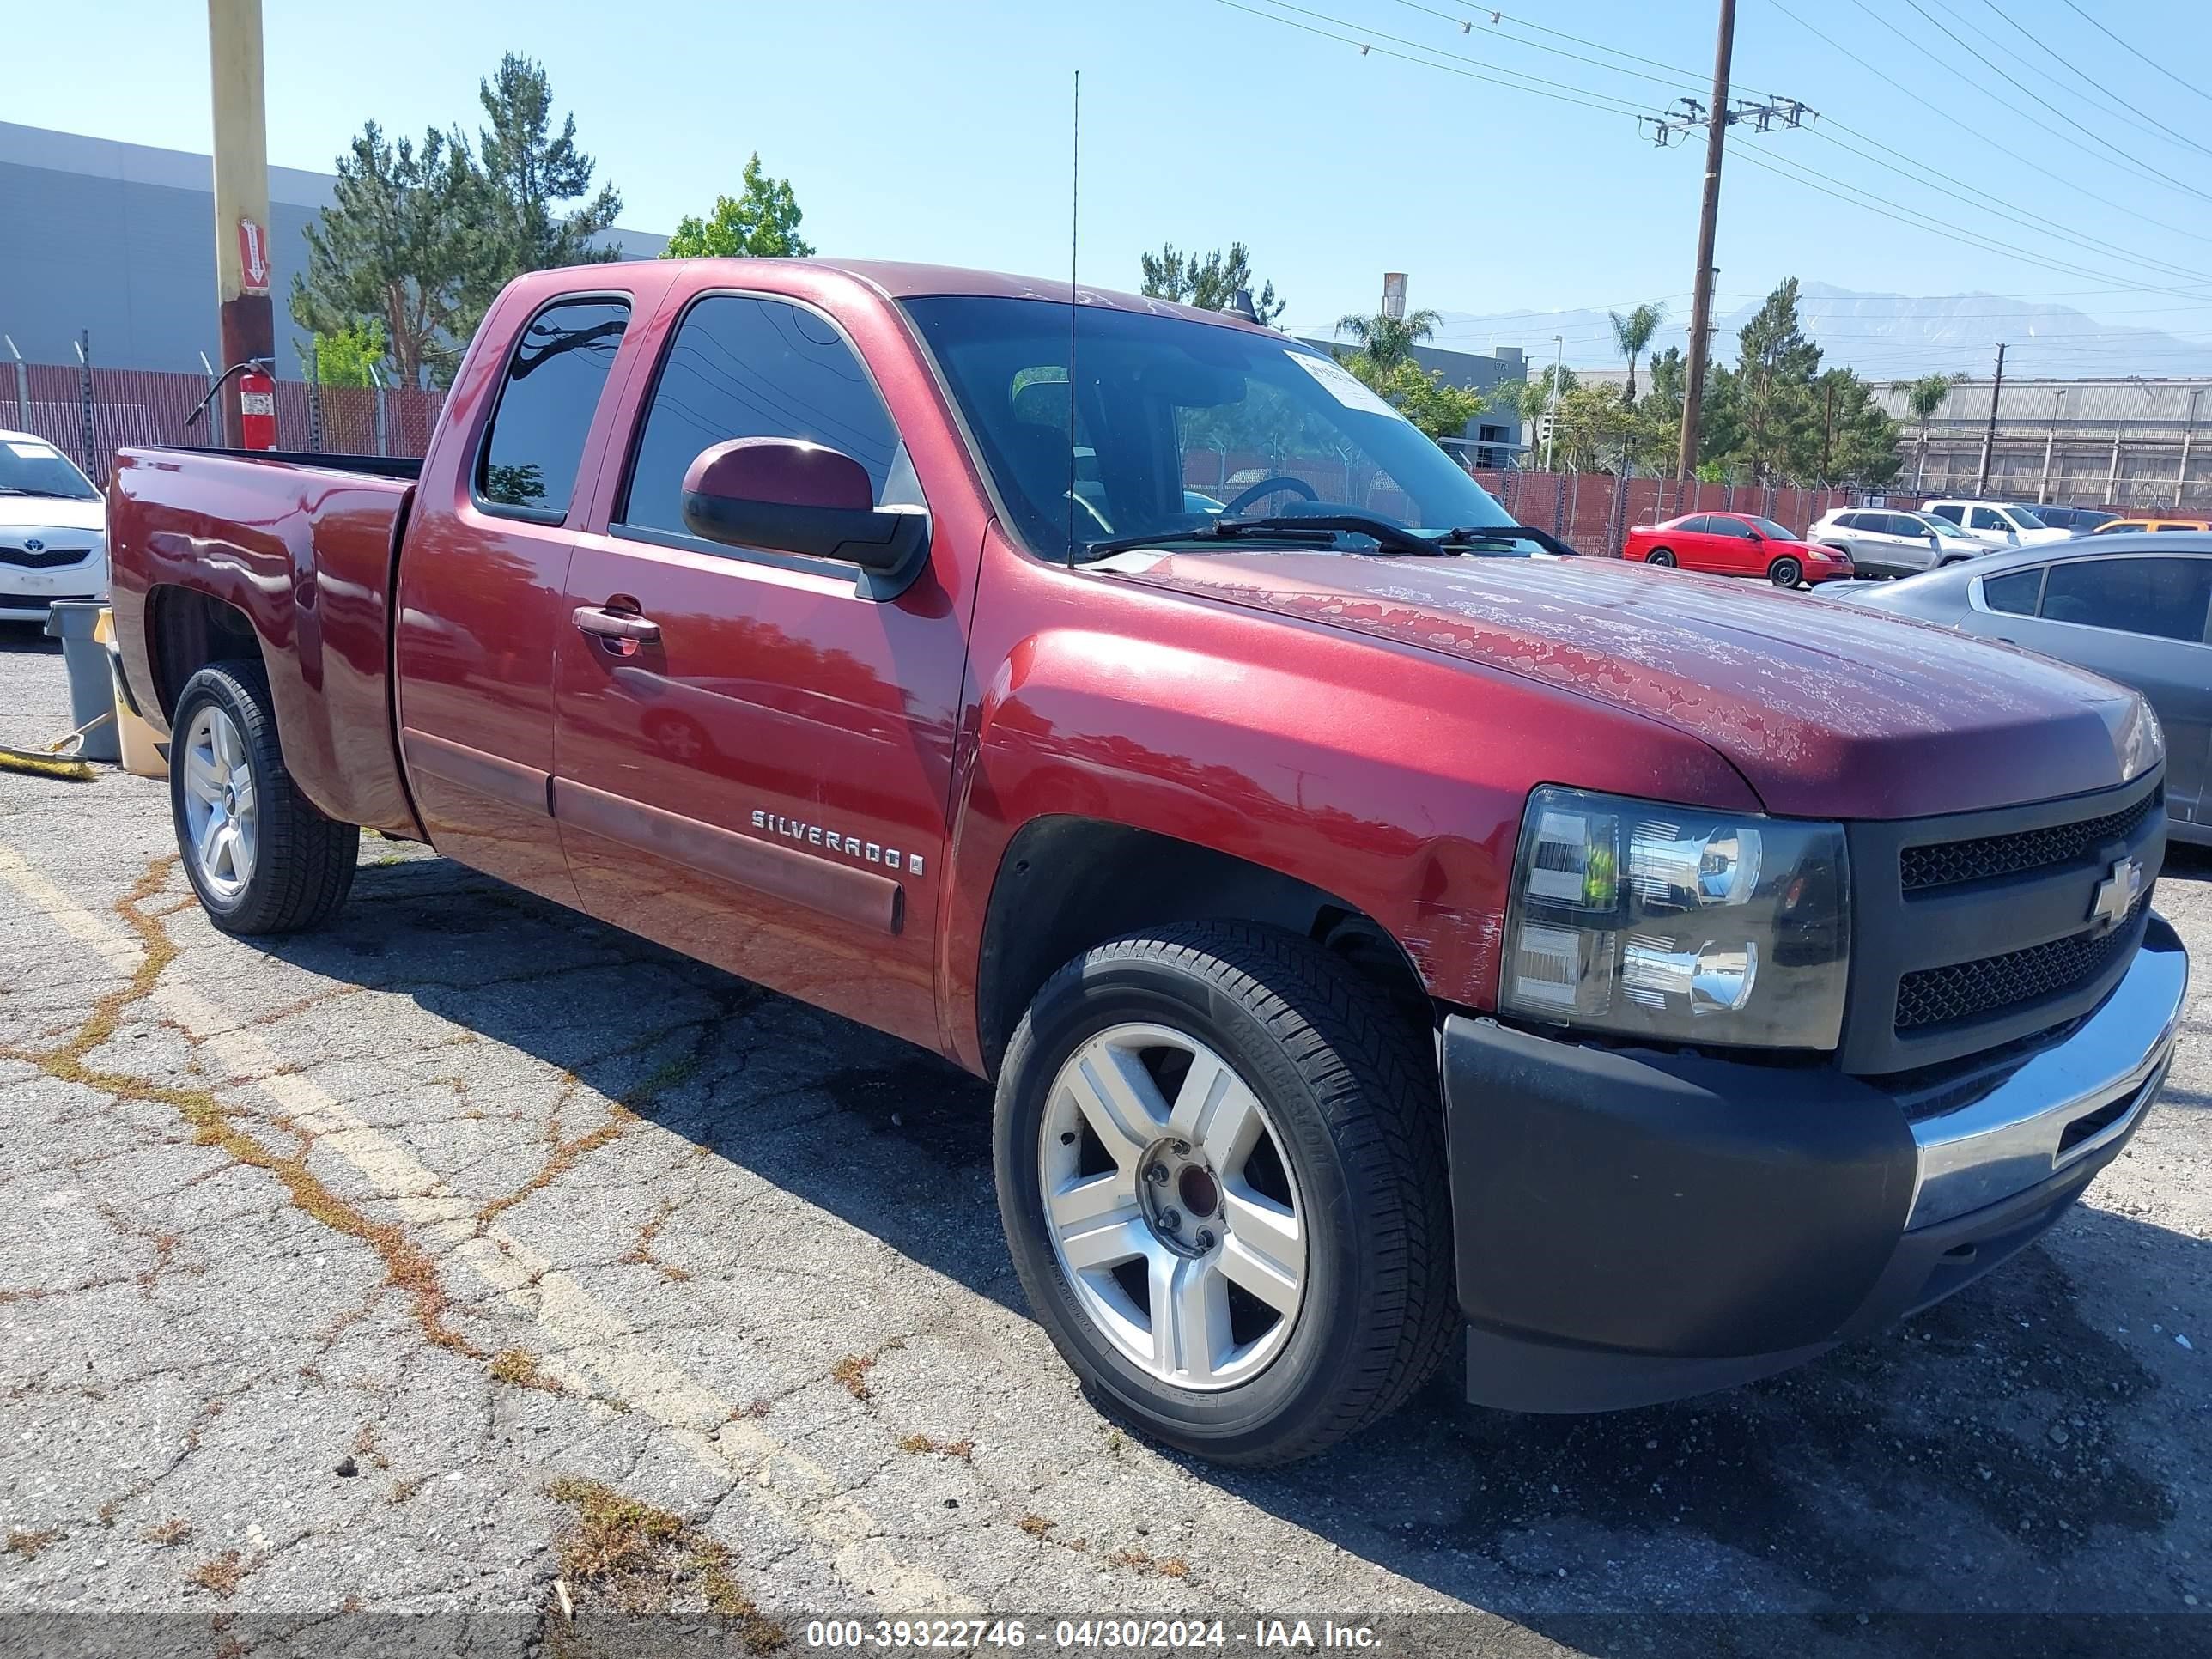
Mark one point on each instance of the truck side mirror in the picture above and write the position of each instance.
(791, 496)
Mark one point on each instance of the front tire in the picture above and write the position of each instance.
(259, 855)
(1220, 1169)
(1785, 572)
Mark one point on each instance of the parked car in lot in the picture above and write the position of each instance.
(2076, 520)
(1735, 544)
(53, 534)
(1889, 542)
(1372, 927)
(2001, 524)
(2130, 607)
(2130, 526)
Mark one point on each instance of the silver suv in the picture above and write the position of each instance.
(1890, 542)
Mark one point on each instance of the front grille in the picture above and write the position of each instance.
(1939, 996)
(46, 558)
(1947, 863)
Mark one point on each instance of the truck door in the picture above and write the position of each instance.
(482, 577)
(764, 784)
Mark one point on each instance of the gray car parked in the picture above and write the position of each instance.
(2134, 608)
(1891, 541)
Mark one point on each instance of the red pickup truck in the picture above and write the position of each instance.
(1375, 926)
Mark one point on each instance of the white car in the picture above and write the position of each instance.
(2000, 524)
(1890, 542)
(53, 530)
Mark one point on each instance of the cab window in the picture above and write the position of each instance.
(740, 367)
(527, 469)
(1986, 518)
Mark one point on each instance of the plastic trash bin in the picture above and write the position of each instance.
(75, 623)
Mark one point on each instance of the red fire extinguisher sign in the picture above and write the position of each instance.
(256, 410)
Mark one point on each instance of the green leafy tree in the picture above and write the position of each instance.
(1385, 341)
(1923, 398)
(1209, 283)
(399, 246)
(1526, 402)
(347, 356)
(528, 177)
(1632, 333)
(760, 223)
(1421, 396)
(1670, 372)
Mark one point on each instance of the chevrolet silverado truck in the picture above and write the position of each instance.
(1374, 927)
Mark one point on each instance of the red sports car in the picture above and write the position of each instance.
(1736, 544)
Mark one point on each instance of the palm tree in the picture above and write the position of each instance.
(1632, 334)
(1528, 401)
(1923, 397)
(1386, 341)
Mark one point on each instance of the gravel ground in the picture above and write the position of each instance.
(471, 1245)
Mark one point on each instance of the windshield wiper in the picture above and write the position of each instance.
(49, 495)
(1468, 536)
(1305, 529)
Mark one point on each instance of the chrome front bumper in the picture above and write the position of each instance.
(2000, 1132)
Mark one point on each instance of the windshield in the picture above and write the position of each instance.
(29, 467)
(1768, 528)
(1943, 527)
(2022, 519)
(1172, 416)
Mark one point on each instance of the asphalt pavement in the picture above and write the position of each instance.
(474, 1260)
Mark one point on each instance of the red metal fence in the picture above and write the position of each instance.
(89, 413)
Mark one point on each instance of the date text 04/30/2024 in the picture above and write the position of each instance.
(1088, 1634)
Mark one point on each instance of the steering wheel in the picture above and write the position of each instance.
(1244, 498)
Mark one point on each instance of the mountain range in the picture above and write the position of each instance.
(1882, 336)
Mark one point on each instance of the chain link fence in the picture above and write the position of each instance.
(89, 412)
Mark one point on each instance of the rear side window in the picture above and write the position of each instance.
(1946, 511)
(2014, 594)
(2173, 526)
(746, 367)
(1851, 521)
(1696, 527)
(536, 444)
(2162, 598)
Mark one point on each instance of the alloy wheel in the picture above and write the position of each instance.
(1170, 1204)
(221, 821)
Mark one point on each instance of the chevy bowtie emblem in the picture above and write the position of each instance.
(2117, 894)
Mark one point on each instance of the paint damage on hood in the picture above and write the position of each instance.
(1828, 710)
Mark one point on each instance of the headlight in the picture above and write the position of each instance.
(1677, 923)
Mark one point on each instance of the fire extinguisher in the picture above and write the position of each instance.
(257, 408)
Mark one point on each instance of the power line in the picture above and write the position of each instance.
(2133, 52)
(2142, 169)
(1934, 106)
(1672, 77)
(1601, 101)
(2142, 120)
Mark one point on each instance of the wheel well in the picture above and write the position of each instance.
(185, 631)
(1067, 883)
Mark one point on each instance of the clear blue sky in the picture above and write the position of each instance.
(941, 132)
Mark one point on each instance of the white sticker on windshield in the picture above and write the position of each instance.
(1339, 384)
(32, 452)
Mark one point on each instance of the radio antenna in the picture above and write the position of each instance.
(1074, 300)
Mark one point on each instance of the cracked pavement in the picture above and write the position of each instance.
(323, 1260)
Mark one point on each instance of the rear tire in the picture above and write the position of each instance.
(1785, 572)
(1315, 1127)
(259, 855)
(1661, 556)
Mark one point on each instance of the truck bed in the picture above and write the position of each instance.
(298, 549)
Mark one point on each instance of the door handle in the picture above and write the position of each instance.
(620, 632)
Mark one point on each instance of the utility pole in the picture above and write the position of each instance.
(1701, 303)
(1552, 405)
(247, 326)
(1989, 437)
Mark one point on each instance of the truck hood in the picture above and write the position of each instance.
(1828, 710)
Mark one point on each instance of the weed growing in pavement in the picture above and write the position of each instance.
(28, 1544)
(638, 1559)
